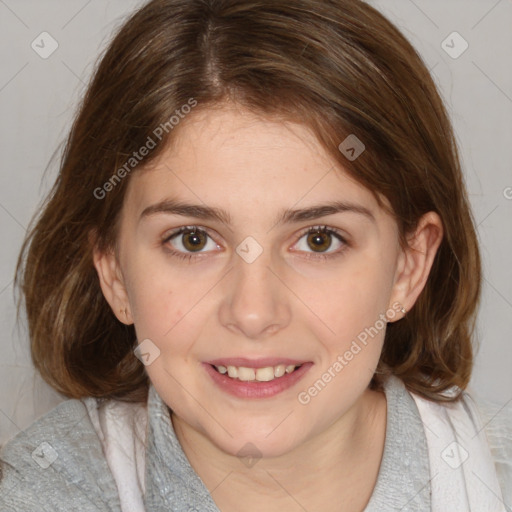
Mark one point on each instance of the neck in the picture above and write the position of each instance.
(335, 470)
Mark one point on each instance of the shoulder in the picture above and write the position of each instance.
(57, 464)
(497, 422)
(483, 434)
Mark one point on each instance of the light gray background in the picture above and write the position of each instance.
(38, 99)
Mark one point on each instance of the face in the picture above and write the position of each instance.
(246, 249)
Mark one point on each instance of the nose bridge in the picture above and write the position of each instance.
(255, 302)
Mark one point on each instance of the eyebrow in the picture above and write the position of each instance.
(288, 216)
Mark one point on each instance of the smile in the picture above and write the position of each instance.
(264, 374)
(256, 378)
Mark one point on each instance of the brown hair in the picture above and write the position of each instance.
(340, 68)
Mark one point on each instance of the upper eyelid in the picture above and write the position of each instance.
(322, 227)
(169, 234)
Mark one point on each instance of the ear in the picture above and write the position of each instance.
(415, 261)
(112, 284)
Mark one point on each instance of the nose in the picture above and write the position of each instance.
(255, 301)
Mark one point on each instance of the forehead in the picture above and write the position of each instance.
(234, 159)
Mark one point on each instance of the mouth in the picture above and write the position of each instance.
(261, 378)
(263, 374)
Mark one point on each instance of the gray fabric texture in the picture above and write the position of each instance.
(403, 482)
(79, 478)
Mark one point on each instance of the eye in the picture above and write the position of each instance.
(189, 242)
(319, 239)
(190, 239)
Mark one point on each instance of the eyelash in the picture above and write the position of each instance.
(312, 229)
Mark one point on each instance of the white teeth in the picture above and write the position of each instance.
(279, 370)
(265, 374)
(246, 373)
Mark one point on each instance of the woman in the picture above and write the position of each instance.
(256, 277)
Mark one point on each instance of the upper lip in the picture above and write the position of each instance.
(255, 363)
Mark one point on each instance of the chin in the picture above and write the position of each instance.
(259, 443)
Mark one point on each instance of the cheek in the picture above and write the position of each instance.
(348, 302)
(170, 306)
(157, 300)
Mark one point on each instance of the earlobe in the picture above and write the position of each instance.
(415, 261)
(112, 284)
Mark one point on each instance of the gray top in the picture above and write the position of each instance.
(80, 479)
(400, 483)
(404, 476)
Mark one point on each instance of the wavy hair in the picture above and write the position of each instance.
(339, 67)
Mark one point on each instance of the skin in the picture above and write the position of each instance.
(326, 454)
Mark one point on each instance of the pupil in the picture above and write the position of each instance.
(320, 241)
(193, 241)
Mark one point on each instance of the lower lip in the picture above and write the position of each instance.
(253, 389)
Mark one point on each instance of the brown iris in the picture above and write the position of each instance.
(319, 241)
(193, 240)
